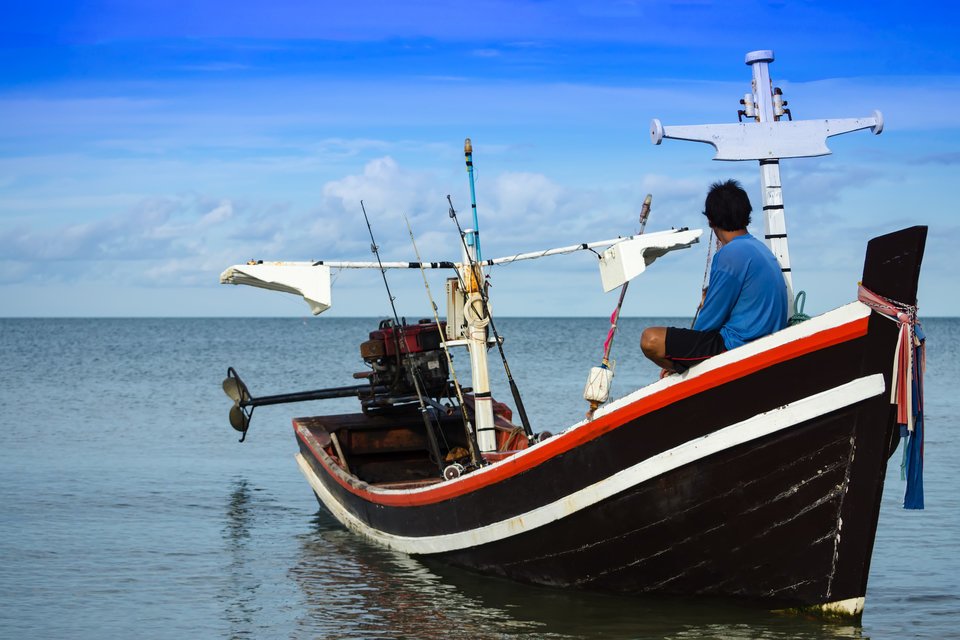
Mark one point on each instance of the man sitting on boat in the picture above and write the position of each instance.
(746, 297)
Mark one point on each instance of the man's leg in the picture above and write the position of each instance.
(653, 342)
(687, 347)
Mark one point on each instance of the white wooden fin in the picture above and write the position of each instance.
(303, 279)
(625, 260)
(766, 140)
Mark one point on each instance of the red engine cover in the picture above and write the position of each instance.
(413, 338)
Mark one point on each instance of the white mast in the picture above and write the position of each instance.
(765, 137)
(476, 317)
(774, 221)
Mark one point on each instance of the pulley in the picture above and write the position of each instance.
(453, 471)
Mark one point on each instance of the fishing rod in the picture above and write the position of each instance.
(597, 390)
(400, 339)
(476, 274)
(468, 427)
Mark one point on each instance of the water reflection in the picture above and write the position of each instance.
(239, 591)
(353, 589)
(356, 590)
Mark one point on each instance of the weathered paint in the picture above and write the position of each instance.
(689, 453)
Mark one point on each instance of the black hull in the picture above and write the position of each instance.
(757, 475)
(757, 521)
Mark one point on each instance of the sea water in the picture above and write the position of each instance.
(129, 509)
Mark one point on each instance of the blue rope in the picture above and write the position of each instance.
(799, 316)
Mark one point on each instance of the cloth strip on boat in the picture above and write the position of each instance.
(906, 388)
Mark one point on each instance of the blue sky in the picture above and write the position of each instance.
(145, 147)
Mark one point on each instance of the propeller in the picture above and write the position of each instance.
(234, 387)
(237, 391)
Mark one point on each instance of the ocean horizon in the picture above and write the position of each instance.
(130, 509)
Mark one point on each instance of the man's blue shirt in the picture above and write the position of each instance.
(747, 296)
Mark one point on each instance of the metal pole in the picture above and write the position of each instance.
(485, 303)
(474, 239)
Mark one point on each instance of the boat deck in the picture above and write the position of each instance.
(391, 449)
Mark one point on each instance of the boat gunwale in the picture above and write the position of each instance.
(782, 418)
(840, 325)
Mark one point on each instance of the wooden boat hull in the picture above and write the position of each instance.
(757, 474)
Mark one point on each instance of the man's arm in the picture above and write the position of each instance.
(722, 294)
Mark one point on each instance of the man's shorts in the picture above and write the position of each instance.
(687, 347)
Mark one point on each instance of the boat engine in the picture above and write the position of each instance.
(396, 354)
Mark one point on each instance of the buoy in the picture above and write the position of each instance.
(597, 390)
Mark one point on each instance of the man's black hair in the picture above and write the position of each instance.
(727, 206)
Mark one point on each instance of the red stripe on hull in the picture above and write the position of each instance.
(604, 424)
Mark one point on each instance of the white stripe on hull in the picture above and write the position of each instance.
(842, 609)
(689, 452)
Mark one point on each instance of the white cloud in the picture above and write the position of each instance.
(221, 213)
(283, 178)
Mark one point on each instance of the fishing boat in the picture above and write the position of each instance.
(755, 475)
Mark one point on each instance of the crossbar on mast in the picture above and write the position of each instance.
(531, 255)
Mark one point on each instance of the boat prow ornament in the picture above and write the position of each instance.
(671, 488)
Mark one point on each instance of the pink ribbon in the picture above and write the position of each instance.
(901, 391)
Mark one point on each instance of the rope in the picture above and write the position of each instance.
(711, 246)
(511, 439)
(906, 387)
(798, 304)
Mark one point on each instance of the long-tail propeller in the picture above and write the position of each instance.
(244, 403)
(242, 409)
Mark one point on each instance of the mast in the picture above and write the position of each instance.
(767, 138)
(774, 220)
(475, 314)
